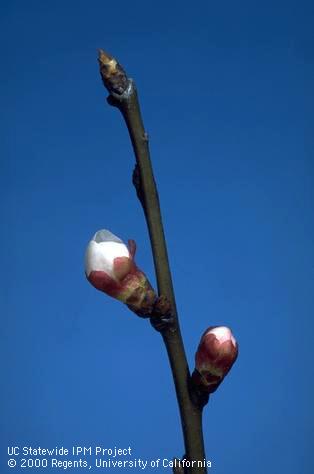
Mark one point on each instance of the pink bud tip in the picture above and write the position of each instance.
(216, 353)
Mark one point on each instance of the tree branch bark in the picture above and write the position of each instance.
(123, 95)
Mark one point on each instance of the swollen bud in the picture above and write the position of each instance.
(216, 353)
(110, 267)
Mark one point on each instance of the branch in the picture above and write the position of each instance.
(123, 95)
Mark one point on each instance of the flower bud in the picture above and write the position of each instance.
(110, 267)
(216, 353)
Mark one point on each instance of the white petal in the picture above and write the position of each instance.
(101, 252)
(223, 334)
(105, 235)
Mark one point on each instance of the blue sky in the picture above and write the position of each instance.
(226, 90)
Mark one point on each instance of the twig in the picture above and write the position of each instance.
(123, 95)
